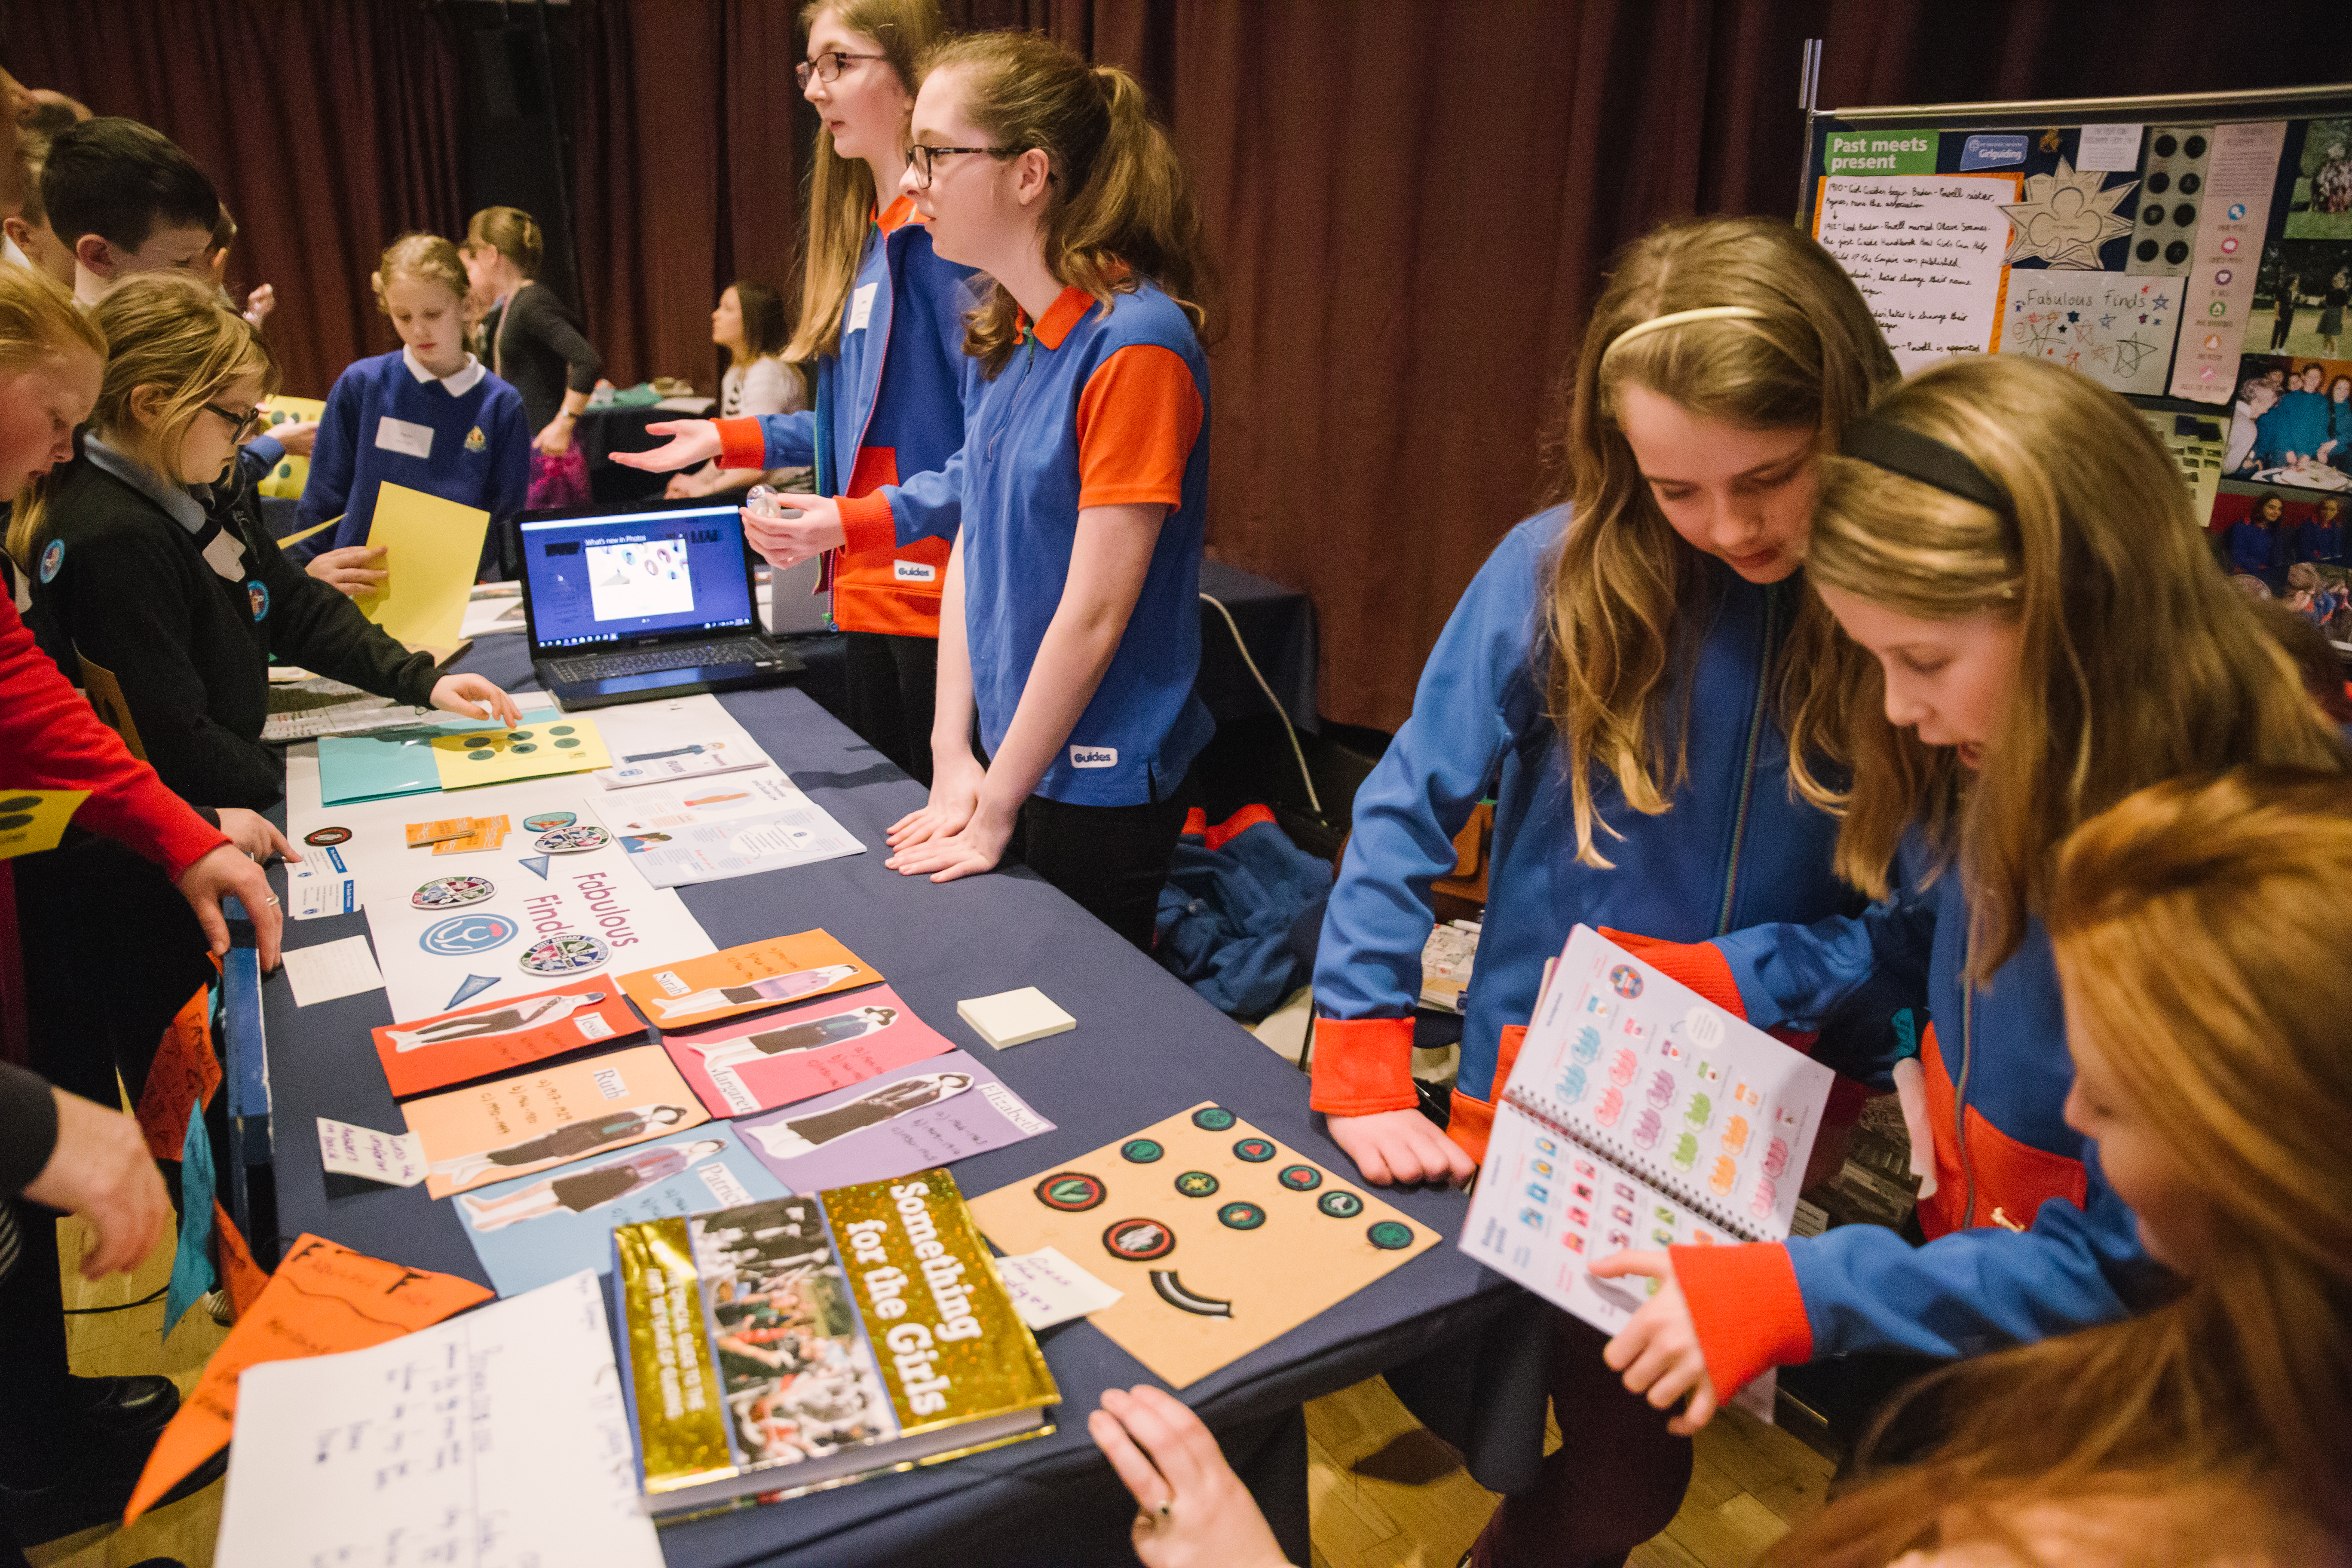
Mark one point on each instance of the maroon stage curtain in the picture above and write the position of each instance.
(328, 128)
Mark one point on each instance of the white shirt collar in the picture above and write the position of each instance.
(463, 382)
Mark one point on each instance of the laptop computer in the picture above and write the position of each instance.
(626, 604)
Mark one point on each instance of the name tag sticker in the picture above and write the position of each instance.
(915, 571)
(1094, 756)
(401, 436)
(861, 307)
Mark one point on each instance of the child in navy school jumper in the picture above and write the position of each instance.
(2015, 548)
(1640, 688)
(1070, 628)
(428, 416)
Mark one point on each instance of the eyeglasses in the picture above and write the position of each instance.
(245, 424)
(828, 66)
(921, 158)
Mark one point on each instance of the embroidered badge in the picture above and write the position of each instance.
(51, 559)
(476, 441)
(258, 592)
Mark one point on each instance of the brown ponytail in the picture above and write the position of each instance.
(1122, 209)
(513, 233)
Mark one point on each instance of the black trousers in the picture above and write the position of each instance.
(892, 686)
(1113, 859)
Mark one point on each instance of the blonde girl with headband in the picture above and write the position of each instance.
(1640, 679)
(881, 314)
(152, 570)
(2049, 634)
(427, 416)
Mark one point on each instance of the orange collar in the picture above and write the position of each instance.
(898, 214)
(1060, 316)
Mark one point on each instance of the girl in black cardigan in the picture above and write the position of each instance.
(152, 573)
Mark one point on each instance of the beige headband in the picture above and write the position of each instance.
(1676, 319)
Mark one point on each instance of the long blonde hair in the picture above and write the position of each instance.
(165, 331)
(1624, 613)
(2197, 925)
(1120, 208)
(2137, 663)
(428, 259)
(39, 324)
(841, 193)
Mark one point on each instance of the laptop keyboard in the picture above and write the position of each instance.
(604, 667)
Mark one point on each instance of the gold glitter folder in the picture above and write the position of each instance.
(781, 1347)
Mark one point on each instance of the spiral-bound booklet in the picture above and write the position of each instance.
(1638, 1116)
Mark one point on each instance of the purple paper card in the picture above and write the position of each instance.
(930, 1112)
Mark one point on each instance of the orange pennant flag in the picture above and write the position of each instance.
(183, 1076)
(323, 1299)
(238, 1271)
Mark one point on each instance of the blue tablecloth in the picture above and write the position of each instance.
(1146, 1046)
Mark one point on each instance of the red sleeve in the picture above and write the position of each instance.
(1362, 1066)
(742, 443)
(53, 741)
(1745, 1306)
(1138, 419)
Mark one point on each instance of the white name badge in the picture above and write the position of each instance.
(400, 436)
(1094, 756)
(861, 307)
(225, 556)
(915, 571)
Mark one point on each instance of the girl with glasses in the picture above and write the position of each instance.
(153, 574)
(882, 315)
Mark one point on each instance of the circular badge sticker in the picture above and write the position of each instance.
(448, 892)
(1213, 1118)
(256, 594)
(1389, 1235)
(1256, 1150)
(1140, 1151)
(324, 837)
(51, 559)
(1625, 982)
(1140, 1240)
(1196, 1184)
(1072, 1192)
(1241, 1216)
(548, 821)
(1341, 1205)
(462, 934)
(1300, 1178)
(568, 953)
(572, 840)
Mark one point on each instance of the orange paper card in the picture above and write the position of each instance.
(183, 1076)
(322, 1300)
(438, 832)
(745, 979)
(499, 1036)
(488, 833)
(513, 1126)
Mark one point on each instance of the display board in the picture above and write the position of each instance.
(2193, 253)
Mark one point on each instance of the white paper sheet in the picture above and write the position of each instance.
(706, 830)
(495, 1441)
(326, 969)
(2109, 147)
(396, 1160)
(1048, 1288)
(1925, 250)
(314, 891)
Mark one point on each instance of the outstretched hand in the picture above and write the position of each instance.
(471, 697)
(691, 441)
(1659, 1351)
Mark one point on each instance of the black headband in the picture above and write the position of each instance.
(1899, 450)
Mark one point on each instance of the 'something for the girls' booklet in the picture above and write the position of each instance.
(1638, 1116)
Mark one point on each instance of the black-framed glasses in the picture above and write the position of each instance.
(245, 424)
(921, 158)
(828, 66)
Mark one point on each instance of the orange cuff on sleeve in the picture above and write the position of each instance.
(1138, 419)
(1363, 1066)
(742, 444)
(1698, 964)
(1748, 1312)
(866, 526)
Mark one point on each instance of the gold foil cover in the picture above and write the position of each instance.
(950, 1346)
(681, 1431)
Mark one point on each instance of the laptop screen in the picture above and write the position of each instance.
(617, 577)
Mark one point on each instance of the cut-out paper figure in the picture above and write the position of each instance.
(1723, 1176)
(829, 1031)
(1620, 1068)
(510, 1020)
(592, 1188)
(1572, 1085)
(568, 1141)
(1735, 1135)
(1760, 1202)
(806, 1135)
(1699, 1110)
(775, 988)
(1611, 1107)
(1685, 1152)
(1646, 1129)
(1662, 1087)
(1776, 1158)
(1588, 1044)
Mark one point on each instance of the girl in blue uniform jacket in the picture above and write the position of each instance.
(1070, 630)
(2254, 540)
(1640, 685)
(882, 315)
(2014, 547)
(428, 417)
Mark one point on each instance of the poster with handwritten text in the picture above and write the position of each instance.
(1925, 250)
(2115, 328)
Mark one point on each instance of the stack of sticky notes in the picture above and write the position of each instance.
(1014, 1018)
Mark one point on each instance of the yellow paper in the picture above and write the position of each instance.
(32, 820)
(545, 745)
(431, 548)
(285, 480)
(314, 528)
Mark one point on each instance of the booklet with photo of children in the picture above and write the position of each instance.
(1639, 1115)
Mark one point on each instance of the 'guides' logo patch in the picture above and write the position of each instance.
(915, 571)
(1094, 756)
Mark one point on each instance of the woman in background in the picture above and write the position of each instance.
(536, 346)
(750, 325)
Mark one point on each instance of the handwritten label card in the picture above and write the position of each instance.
(396, 1161)
(1925, 250)
(1048, 1288)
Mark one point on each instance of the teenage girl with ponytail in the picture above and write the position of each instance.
(882, 315)
(1639, 678)
(1070, 630)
